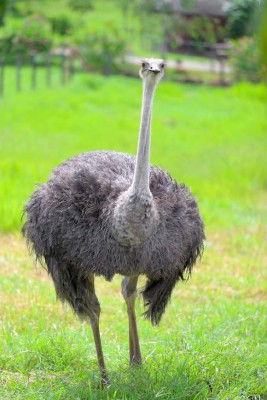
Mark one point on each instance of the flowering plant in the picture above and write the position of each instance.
(246, 60)
(32, 36)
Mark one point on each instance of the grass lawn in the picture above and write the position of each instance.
(212, 341)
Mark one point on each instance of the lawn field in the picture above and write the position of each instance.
(213, 139)
(212, 341)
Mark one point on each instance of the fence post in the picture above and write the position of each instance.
(212, 60)
(71, 67)
(33, 63)
(107, 64)
(18, 73)
(63, 77)
(2, 66)
(222, 58)
(48, 69)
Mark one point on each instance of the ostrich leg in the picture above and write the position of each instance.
(129, 294)
(94, 319)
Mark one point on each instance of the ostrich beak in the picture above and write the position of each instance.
(154, 68)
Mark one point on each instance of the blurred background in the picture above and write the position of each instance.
(68, 84)
(204, 40)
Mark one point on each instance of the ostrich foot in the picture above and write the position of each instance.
(136, 361)
(105, 382)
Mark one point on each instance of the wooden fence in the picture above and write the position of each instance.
(48, 62)
(58, 68)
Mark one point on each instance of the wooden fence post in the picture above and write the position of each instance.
(2, 66)
(71, 67)
(222, 58)
(63, 74)
(107, 64)
(18, 73)
(48, 69)
(33, 63)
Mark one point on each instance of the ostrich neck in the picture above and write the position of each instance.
(142, 166)
(135, 214)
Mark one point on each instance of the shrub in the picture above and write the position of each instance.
(61, 25)
(240, 16)
(3, 7)
(99, 51)
(6, 44)
(81, 5)
(32, 36)
(245, 60)
(263, 39)
(198, 30)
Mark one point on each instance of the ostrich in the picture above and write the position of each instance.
(106, 213)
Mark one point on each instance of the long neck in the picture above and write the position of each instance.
(142, 166)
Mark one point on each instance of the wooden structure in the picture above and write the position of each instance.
(212, 8)
(198, 26)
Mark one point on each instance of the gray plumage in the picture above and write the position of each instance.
(69, 224)
(106, 213)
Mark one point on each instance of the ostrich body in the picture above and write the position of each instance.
(106, 213)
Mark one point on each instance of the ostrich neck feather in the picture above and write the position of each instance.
(142, 166)
(135, 214)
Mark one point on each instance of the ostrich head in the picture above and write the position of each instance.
(152, 70)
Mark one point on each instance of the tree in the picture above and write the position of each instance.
(3, 9)
(241, 15)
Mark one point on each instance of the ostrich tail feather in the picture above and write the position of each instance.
(156, 295)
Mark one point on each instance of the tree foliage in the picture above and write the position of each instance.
(81, 5)
(3, 8)
(241, 18)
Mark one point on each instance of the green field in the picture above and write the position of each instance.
(212, 341)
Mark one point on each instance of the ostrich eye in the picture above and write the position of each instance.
(143, 64)
(162, 65)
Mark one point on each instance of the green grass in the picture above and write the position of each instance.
(213, 139)
(212, 341)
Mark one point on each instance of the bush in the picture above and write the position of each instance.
(199, 30)
(32, 36)
(6, 44)
(61, 25)
(100, 50)
(81, 5)
(3, 8)
(263, 40)
(240, 16)
(245, 60)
